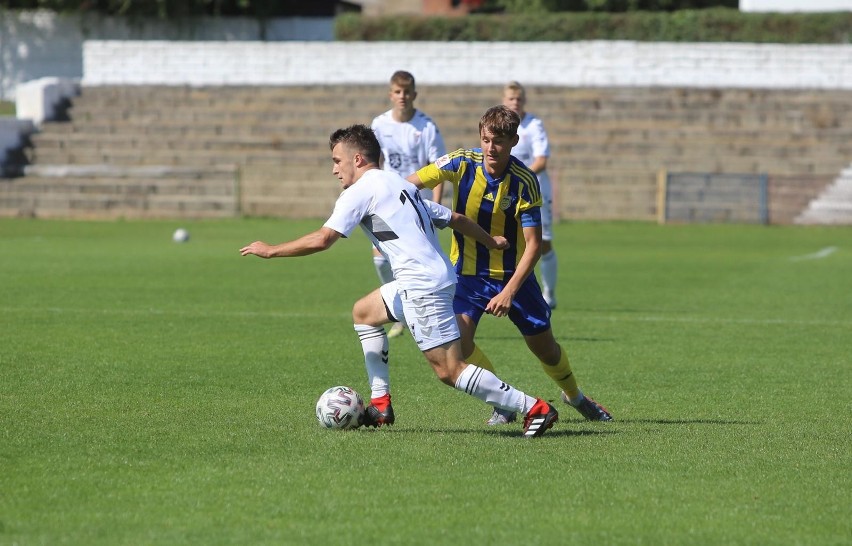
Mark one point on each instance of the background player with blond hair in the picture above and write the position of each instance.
(409, 140)
(533, 149)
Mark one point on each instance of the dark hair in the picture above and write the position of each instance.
(500, 121)
(401, 77)
(360, 138)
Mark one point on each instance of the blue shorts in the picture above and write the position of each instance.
(529, 312)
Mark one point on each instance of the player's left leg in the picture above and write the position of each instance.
(484, 385)
(383, 270)
(437, 334)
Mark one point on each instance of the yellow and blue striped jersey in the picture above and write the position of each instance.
(501, 206)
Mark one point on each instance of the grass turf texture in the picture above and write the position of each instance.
(153, 392)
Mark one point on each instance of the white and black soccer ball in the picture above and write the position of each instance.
(340, 407)
(180, 235)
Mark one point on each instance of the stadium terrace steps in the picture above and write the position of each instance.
(608, 146)
(109, 191)
(833, 205)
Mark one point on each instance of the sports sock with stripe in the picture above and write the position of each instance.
(374, 343)
(486, 386)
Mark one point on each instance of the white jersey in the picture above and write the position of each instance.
(533, 143)
(401, 225)
(408, 145)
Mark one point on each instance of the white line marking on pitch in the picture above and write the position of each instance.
(197, 313)
(827, 251)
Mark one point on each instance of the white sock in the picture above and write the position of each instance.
(486, 386)
(374, 343)
(549, 267)
(383, 269)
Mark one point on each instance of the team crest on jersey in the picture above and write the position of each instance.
(442, 161)
(505, 202)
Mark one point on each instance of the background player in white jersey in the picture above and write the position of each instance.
(409, 140)
(533, 149)
(402, 225)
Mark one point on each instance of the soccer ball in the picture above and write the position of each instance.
(340, 407)
(180, 235)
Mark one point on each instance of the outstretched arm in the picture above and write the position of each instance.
(469, 228)
(311, 243)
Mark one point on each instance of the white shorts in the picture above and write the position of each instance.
(429, 317)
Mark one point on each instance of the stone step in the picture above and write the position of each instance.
(185, 158)
(104, 191)
(823, 217)
(568, 142)
(95, 141)
(597, 98)
(113, 206)
(608, 144)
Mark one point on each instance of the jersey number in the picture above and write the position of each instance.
(419, 208)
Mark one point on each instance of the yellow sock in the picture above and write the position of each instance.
(478, 358)
(563, 376)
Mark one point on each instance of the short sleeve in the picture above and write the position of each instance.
(351, 207)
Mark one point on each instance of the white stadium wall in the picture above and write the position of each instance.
(40, 43)
(795, 5)
(574, 64)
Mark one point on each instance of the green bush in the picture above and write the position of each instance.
(709, 25)
(7, 108)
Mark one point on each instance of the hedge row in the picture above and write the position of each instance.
(710, 25)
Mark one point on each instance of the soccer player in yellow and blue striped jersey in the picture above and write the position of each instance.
(501, 194)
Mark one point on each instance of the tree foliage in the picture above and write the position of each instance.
(706, 25)
(611, 6)
(171, 9)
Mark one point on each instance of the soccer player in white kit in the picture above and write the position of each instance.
(533, 149)
(409, 140)
(402, 225)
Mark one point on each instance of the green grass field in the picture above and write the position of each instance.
(162, 393)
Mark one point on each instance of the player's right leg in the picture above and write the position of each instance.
(548, 264)
(369, 314)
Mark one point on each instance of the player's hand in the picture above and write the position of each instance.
(501, 243)
(499, 305)
(258, 248)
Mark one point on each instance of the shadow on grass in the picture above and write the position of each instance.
(514, 432)
(560, 430)
(554, 432)
(561, 338)
(688, 422)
